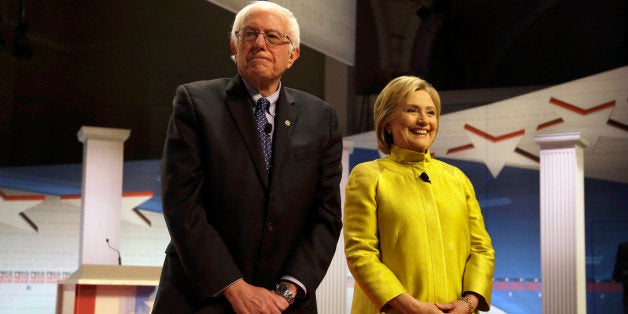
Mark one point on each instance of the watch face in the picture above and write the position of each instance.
(281, 288)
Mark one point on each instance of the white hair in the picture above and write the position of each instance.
(293, 25)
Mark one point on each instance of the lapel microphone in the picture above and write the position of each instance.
(425, 178)
(268, 128)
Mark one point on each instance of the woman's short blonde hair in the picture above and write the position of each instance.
(394, 94)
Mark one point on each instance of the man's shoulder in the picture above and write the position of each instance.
(219, 87)
(302, 97)
(214, 83)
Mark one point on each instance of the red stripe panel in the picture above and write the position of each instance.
(70, 196)
(549, 123)
(22, 197)
(124, 194)
(516, 285)
(459, 148)
(493, 138)
(578, 110)
(85, 299)
(138, 193)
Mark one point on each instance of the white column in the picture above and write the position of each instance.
(331, 295)
(563, 272)
(101, 195)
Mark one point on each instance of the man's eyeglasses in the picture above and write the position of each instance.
(272, 38)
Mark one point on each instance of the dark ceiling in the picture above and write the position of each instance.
(496, 43)
(462, 44)
(117, 63)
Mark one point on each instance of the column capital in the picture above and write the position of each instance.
(561, 140)
(347, 144)
(105, 134)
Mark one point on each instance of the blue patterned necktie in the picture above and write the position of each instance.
(263, 129)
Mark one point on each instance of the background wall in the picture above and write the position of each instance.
(113, 64)
(494, 146)
(32, 262)
(507, 188)
(117, 64)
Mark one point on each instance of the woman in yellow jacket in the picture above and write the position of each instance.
(415, 239)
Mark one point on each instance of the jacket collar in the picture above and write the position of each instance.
(239, 102)
(406, 156)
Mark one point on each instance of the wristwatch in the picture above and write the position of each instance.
(283, 290)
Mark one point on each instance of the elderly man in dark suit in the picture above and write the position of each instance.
(250, 182)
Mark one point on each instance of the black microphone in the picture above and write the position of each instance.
(111, 247)
(268, 128)
(425, 178)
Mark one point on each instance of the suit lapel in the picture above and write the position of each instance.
(285, 122)
(240, 105)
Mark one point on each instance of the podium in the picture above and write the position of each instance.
(96, 289)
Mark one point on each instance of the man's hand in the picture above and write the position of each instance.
(249, 299)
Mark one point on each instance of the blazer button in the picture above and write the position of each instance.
(269, 226)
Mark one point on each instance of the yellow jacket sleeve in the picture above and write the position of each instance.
(361, 240)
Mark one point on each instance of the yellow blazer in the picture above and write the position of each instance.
(406, 235)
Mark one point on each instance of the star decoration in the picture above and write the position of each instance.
(130, 201)
(494, 151)
(13, 209)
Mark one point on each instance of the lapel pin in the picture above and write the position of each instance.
(287, 122)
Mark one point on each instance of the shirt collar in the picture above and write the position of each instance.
(256, 96)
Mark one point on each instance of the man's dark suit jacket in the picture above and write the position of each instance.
(227, 217)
